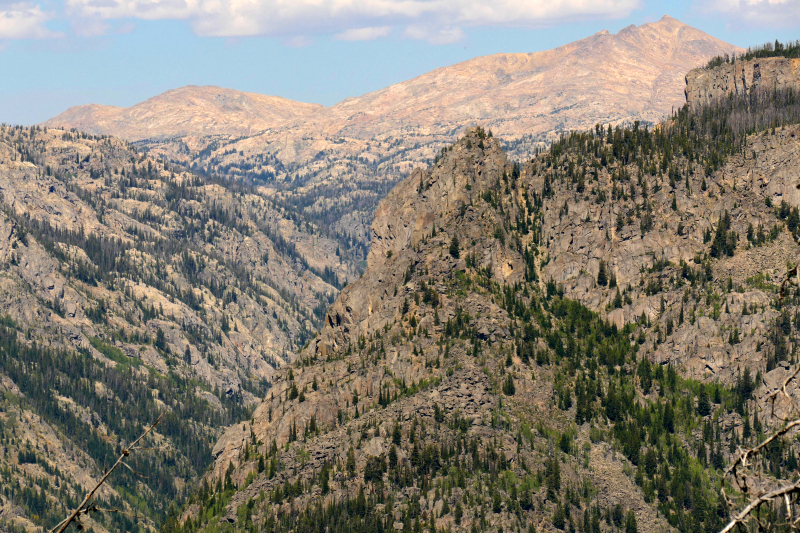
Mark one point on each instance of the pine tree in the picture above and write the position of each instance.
(703, 406)
(617, 303)
(351, 462)
(508, 387)
(602, 277)
(723, 243)
(552, 477)
(454, 247)
(630, 523)
(559, 520)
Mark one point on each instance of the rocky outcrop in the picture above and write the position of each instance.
(581, 231)
(71, 176)
(545, 228)
(408, 216)
(704, 85)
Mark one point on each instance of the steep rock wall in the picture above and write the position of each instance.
(740, 77)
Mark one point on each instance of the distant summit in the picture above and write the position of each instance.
(189, 110)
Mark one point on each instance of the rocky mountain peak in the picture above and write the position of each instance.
(358, 149)
(410, 211)
(420, 208)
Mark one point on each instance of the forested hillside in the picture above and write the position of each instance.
(579, 343)
(130, 288)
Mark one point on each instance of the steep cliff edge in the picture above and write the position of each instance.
(405, 219)
(703, 85)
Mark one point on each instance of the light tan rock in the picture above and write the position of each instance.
(704, 85)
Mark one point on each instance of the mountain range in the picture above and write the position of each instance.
(186, 111)
(636, 74)
(333, 164)
(374, 317)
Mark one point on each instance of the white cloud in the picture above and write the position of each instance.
(439, 21)
(24, 21)
(435, 35)
(757, 13)
(128, 27)
(364, 34)
(299, 41)
(90, 27)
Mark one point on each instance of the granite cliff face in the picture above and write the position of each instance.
(579, 341)
(741, 77)
(412, 358)
(653, 267)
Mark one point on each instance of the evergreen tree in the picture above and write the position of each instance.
(724, 242)
(602, 276)
(630, 523)
(508, 387)
(552, 477)
(351, 462)
(454, 247)
(703, 405)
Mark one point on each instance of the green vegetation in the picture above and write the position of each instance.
(776, 49)
(113, 353)
(122, 402)
(668, 428)
(511, 463)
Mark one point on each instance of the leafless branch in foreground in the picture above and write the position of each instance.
(747, 475)
(784, 493)
(84, 506)
(779, 498)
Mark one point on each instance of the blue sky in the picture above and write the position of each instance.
(56, 54)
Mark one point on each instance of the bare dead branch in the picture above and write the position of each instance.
(782, 392)
(134, 472)
(788, 279)
(764, 498)
(744, 455)
(82, 509)
(96, 509)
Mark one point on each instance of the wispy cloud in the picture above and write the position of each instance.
(90, 26)
(438, 21)
(435, 34)
(299, 41)
(23, 20)
(757, 13)
(364, 34)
